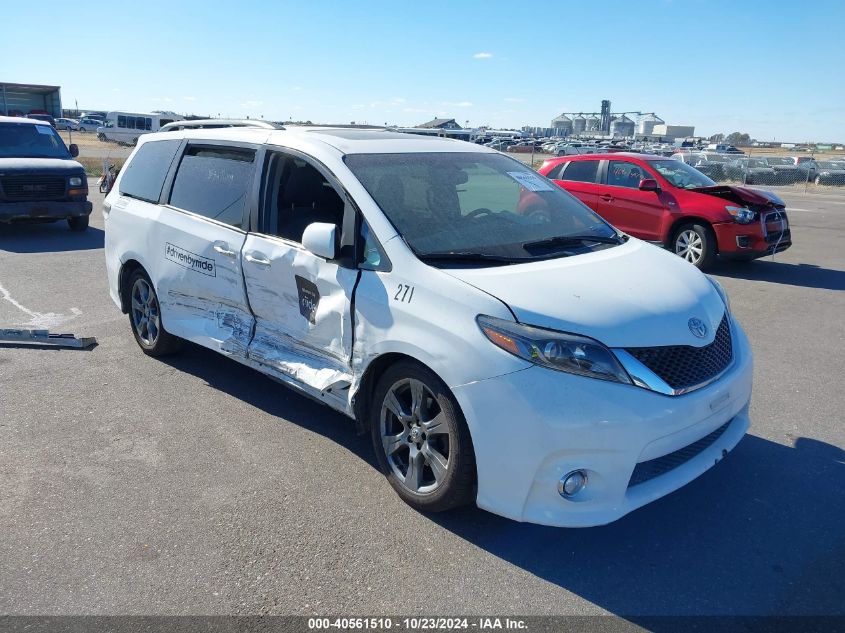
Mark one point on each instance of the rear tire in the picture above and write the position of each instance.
(145, 317)
(696, 243)
(79, 223)
(421, 440)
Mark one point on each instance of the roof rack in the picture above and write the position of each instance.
(208, 124)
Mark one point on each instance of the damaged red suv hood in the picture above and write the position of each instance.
(742, 195)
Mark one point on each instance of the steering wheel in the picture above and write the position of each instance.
(475, 213)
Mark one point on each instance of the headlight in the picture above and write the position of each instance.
(725, 298)
(740, 214)
(563, 352)
(76, 181)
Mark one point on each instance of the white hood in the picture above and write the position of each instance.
(633, 295)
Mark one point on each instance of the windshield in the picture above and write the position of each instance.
(25, 140)
(828, 164)
(756, 162)
(480, 204)
(680, 174)
(780, 161)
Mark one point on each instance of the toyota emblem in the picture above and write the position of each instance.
(697, 327)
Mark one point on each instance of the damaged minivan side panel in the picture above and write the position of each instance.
(301, 301)
(199, 234)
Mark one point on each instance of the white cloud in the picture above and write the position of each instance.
(482, 56)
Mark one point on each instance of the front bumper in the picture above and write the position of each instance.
(531, 427)
(749, 241)
(47, 210)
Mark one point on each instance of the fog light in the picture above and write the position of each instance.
(742, 241)
(572, 483)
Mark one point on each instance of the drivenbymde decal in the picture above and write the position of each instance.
(309, 298)
(190, 260)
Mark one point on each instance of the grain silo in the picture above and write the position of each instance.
(593, 123)
(645, 126)
(622, 126)
(563, 124)
(579, 124)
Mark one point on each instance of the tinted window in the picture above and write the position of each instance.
(214, 182)
(144, 176)
(621, 174)
(121, 121)
(555, 172)
(581, 171)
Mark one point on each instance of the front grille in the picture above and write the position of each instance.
(33, 187)
(683, 366)
(645, 471)
(776, 227)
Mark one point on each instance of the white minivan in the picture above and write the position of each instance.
(499, 341)
(128, 127)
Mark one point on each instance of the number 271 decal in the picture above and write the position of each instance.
(404, 294)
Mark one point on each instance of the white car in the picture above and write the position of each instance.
(87, 124)
(498, 340)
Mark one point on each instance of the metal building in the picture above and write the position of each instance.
(23, 99)
(579, 124)
(671, 132)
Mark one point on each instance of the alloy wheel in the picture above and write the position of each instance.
(146, 316)
(415, 436)
(689, 245)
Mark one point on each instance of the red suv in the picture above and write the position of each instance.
(666, 201)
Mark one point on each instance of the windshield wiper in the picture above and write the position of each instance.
(467, 256)
(566, 240)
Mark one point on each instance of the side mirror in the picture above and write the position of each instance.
(649, 184)
(320, 238)
(74, 150)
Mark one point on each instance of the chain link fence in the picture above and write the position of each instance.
(768, 167)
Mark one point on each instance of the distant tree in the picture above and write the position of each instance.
(717, 138)
(738, 138)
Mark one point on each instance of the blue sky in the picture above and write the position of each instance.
(770, 68)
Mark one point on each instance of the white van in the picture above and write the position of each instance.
(497, 339)
(128, 127)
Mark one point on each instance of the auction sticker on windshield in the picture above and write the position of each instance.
(44, 130)
(530, 181)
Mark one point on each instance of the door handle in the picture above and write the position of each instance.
(257, 258)
(606, 197)
(223, 249)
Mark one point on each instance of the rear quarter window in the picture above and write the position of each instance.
(144, 176)
(581, 171)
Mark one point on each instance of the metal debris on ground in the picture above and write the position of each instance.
(43, 338)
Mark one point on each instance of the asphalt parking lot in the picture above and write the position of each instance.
(193, 485)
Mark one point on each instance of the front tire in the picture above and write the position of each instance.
(79, 223)
(145, 317)
(421, 440)
(695, 243)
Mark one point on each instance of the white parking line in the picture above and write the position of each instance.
(42, 320)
